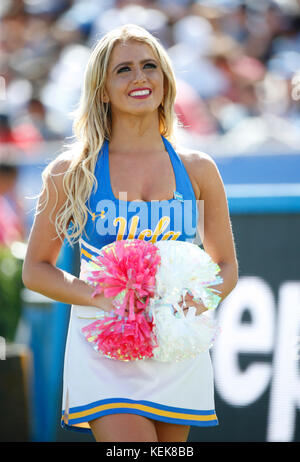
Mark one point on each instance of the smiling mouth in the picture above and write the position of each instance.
(140, 93)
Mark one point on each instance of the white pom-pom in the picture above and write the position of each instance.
(180, 337)
(185, 267)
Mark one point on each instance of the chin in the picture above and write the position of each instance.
(143, 108)
(141, 111)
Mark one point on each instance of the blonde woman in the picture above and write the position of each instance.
(109, 186)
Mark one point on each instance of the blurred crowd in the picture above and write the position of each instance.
(237, 64)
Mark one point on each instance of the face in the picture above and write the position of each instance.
(135, 81)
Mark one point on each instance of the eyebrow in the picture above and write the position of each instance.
(128, 63)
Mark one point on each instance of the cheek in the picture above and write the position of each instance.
(117, 87)
(161, 84)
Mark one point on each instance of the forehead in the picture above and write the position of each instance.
(130, 51)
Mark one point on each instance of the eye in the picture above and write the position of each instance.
(123, 69)
(151, 65)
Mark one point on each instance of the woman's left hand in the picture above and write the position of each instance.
(190, 301)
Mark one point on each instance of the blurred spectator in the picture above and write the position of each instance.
(18, 134)
(11, 223)
(153, 19)
(30, 126)
(5, 130)
(192, 113)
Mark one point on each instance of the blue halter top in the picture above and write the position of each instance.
(111, 219)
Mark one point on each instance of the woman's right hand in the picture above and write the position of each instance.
(105, 303)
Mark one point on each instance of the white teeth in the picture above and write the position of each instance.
(140, 93)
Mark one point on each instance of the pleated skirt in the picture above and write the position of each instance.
(179, 392)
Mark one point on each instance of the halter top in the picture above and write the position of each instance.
(111, 219)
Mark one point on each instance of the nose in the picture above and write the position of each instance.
(139, 75)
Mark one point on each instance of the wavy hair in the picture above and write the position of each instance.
(92, 124)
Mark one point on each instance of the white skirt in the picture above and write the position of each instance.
(94, 386)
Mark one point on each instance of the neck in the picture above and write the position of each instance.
(135, 134)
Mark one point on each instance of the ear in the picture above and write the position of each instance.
(105, 97)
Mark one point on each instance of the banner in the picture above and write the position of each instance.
(256, 358)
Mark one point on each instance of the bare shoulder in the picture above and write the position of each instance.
(201, 168)
(53, 191)
(60, 165)
(195, 158)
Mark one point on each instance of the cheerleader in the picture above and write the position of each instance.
(123, 169)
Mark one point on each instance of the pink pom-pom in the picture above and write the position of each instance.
(125, 270)
(127, 266)
(122, 339)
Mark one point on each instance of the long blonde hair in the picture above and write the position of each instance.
(92, 125)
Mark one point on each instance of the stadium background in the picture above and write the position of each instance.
(237, 66)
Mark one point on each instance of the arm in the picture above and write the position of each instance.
(39, 271)
(216, 235)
